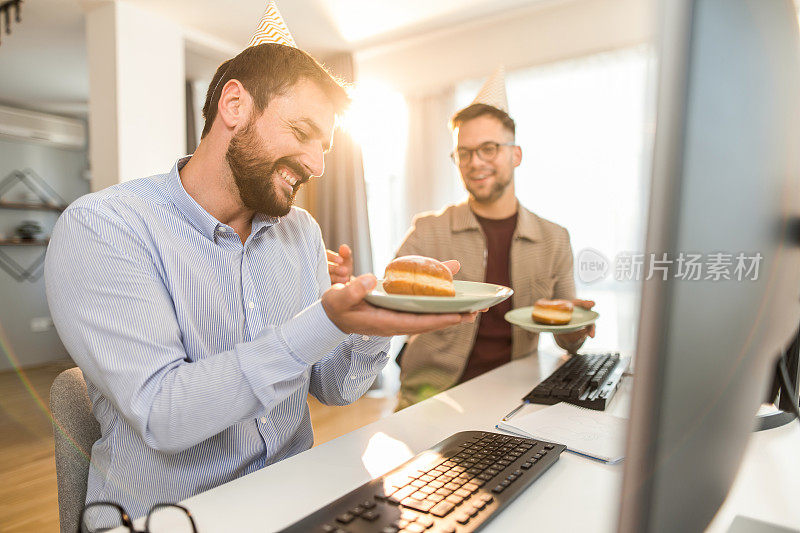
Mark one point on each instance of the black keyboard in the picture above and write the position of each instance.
(585, 380)
(456, 486)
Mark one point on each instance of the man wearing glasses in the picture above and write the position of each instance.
(497, 241)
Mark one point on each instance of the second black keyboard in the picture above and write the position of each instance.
(456, 486)
(585, 380)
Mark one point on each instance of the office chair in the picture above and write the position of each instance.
(75, 430)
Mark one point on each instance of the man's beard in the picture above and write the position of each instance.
(492, 195)
(254, 175)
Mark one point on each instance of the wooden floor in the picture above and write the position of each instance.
(28, 494)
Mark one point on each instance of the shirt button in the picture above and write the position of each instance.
(222, 230)
(251, 305)
(364, 337)
(263, 419)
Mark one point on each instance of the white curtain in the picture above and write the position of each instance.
(431, 178)
(338, 201)
(406, 144)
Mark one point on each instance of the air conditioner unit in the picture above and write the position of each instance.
(39, 127)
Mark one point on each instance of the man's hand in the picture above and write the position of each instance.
(340, 266)
(573, 340)
(346, 307)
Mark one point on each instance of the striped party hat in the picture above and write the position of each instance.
(272, 28)
(493, 92)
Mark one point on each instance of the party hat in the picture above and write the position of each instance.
(493, 92)
(272, 28)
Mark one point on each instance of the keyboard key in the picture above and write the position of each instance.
(462, 492)
(345, 518)
(462, 518)
(425, 521)
(390, 529)
(526, 466)
(488, 498)
(455, 499)
(402, 494)
(408, 514)
(357, 510)
(368, 504)
(419, 505)
(370, 515)
(414, 528)
(498, 489)
(442, 508)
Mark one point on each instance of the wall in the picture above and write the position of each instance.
(22, 301)
(137, 104)
(546, 33)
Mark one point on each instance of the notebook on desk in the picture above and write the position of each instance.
(594, 434)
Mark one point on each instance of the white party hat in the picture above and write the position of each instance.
(272, 28)
(493, 92)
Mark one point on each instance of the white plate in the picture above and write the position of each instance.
(470, 296)
(580, 318)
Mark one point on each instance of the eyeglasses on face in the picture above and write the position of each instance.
(162, 518)
(486, 152)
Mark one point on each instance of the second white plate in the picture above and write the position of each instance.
(580, 318)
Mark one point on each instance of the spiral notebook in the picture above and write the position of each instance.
(594, 434)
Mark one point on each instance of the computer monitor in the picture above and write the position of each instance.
(725, 180)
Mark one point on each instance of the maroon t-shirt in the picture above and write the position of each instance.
(493, 342)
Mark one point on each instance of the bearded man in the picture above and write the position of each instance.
(198, 304)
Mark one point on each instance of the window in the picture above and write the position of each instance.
(378, 121)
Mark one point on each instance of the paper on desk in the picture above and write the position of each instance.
(592, 433)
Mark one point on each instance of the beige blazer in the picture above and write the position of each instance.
(541, 267)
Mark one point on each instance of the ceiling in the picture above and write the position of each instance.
(44, 66)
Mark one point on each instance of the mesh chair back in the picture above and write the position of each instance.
(75, 430)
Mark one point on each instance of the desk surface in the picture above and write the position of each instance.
(283, 493)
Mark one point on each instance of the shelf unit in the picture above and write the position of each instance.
(25, 206)
(49, 200)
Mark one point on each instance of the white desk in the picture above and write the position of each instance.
(576, 494)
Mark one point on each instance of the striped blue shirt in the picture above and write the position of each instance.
(198, 351)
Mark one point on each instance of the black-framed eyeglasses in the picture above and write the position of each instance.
(162, 518)
(486, 152)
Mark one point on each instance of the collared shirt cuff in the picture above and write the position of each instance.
(311, 335)
(364, 344)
